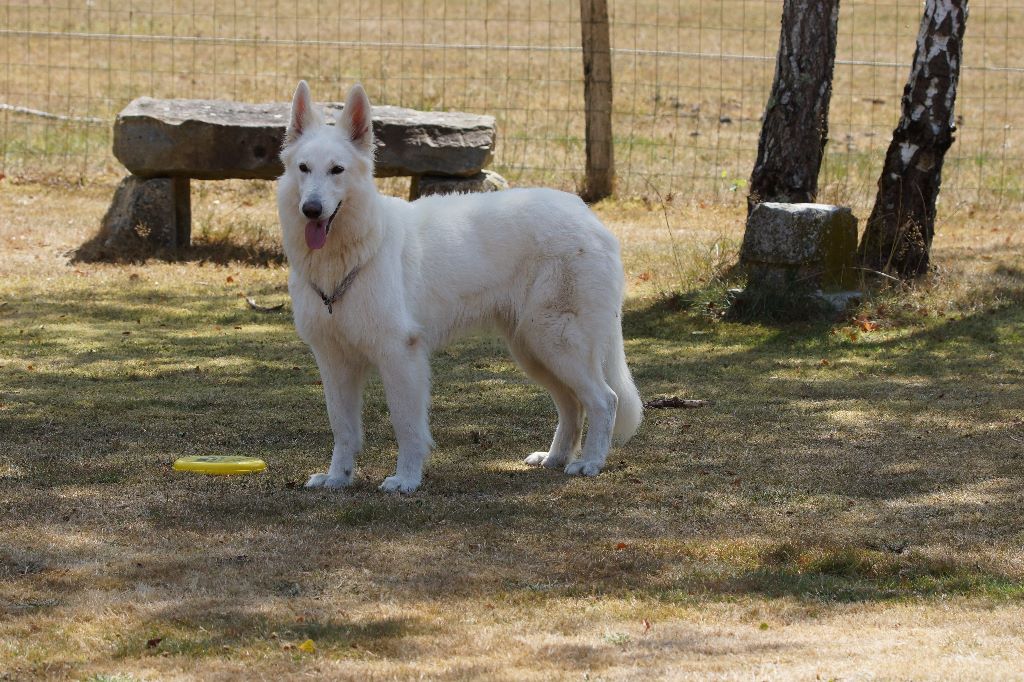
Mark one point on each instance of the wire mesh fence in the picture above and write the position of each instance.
(690, 81)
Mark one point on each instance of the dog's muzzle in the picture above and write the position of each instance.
(317, 230)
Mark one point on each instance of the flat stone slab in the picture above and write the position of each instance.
(216, 139)
(841, 300)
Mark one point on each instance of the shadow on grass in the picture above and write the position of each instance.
(199, 632)
(138, 251)
(784, 487)
(855, 574)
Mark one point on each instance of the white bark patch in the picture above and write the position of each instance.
(940, 10)
(929, 95)
(939, 44)
(907, 151)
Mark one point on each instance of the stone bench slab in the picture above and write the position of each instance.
(217, 140)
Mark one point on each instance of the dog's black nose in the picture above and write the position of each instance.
(312, 209)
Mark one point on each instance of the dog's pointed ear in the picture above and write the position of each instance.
(355, 120)
(304, 115)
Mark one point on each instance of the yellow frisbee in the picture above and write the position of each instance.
(220, 465)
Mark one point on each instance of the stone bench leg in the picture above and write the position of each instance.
(484, 181)
(806, 246)
(154, 210)
(793, 253)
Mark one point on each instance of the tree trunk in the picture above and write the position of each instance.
(597, 92)
(795, 126)
(898, 235)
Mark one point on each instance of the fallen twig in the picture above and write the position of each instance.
(880, 274)
(673, 401)
(56, 117)
(263, 308)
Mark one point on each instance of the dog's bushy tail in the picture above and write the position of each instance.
(630, 411)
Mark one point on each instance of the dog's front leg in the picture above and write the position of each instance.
(405, 372)
(343, 390)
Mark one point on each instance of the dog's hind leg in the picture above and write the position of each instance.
(343, 389)
(577, 366)
(569, 432)
(600, 402)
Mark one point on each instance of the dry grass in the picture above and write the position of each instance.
(850, 506)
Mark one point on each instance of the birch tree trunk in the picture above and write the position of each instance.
(795, 126)
(898, 235)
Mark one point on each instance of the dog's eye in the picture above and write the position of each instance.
(337, 170)
(304, 168)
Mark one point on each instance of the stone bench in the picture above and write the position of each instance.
(165, 143)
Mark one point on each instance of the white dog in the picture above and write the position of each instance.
(379, 281)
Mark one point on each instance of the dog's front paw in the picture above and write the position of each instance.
(536, 459)
(582, 467)
(399, 484)
(328, 481)
(544, 459)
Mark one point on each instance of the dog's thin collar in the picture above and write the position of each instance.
(339, 291)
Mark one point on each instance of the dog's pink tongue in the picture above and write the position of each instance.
(316, 234)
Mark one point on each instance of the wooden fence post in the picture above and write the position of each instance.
(597, 91)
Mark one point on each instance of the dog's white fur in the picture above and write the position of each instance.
(535, 264)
